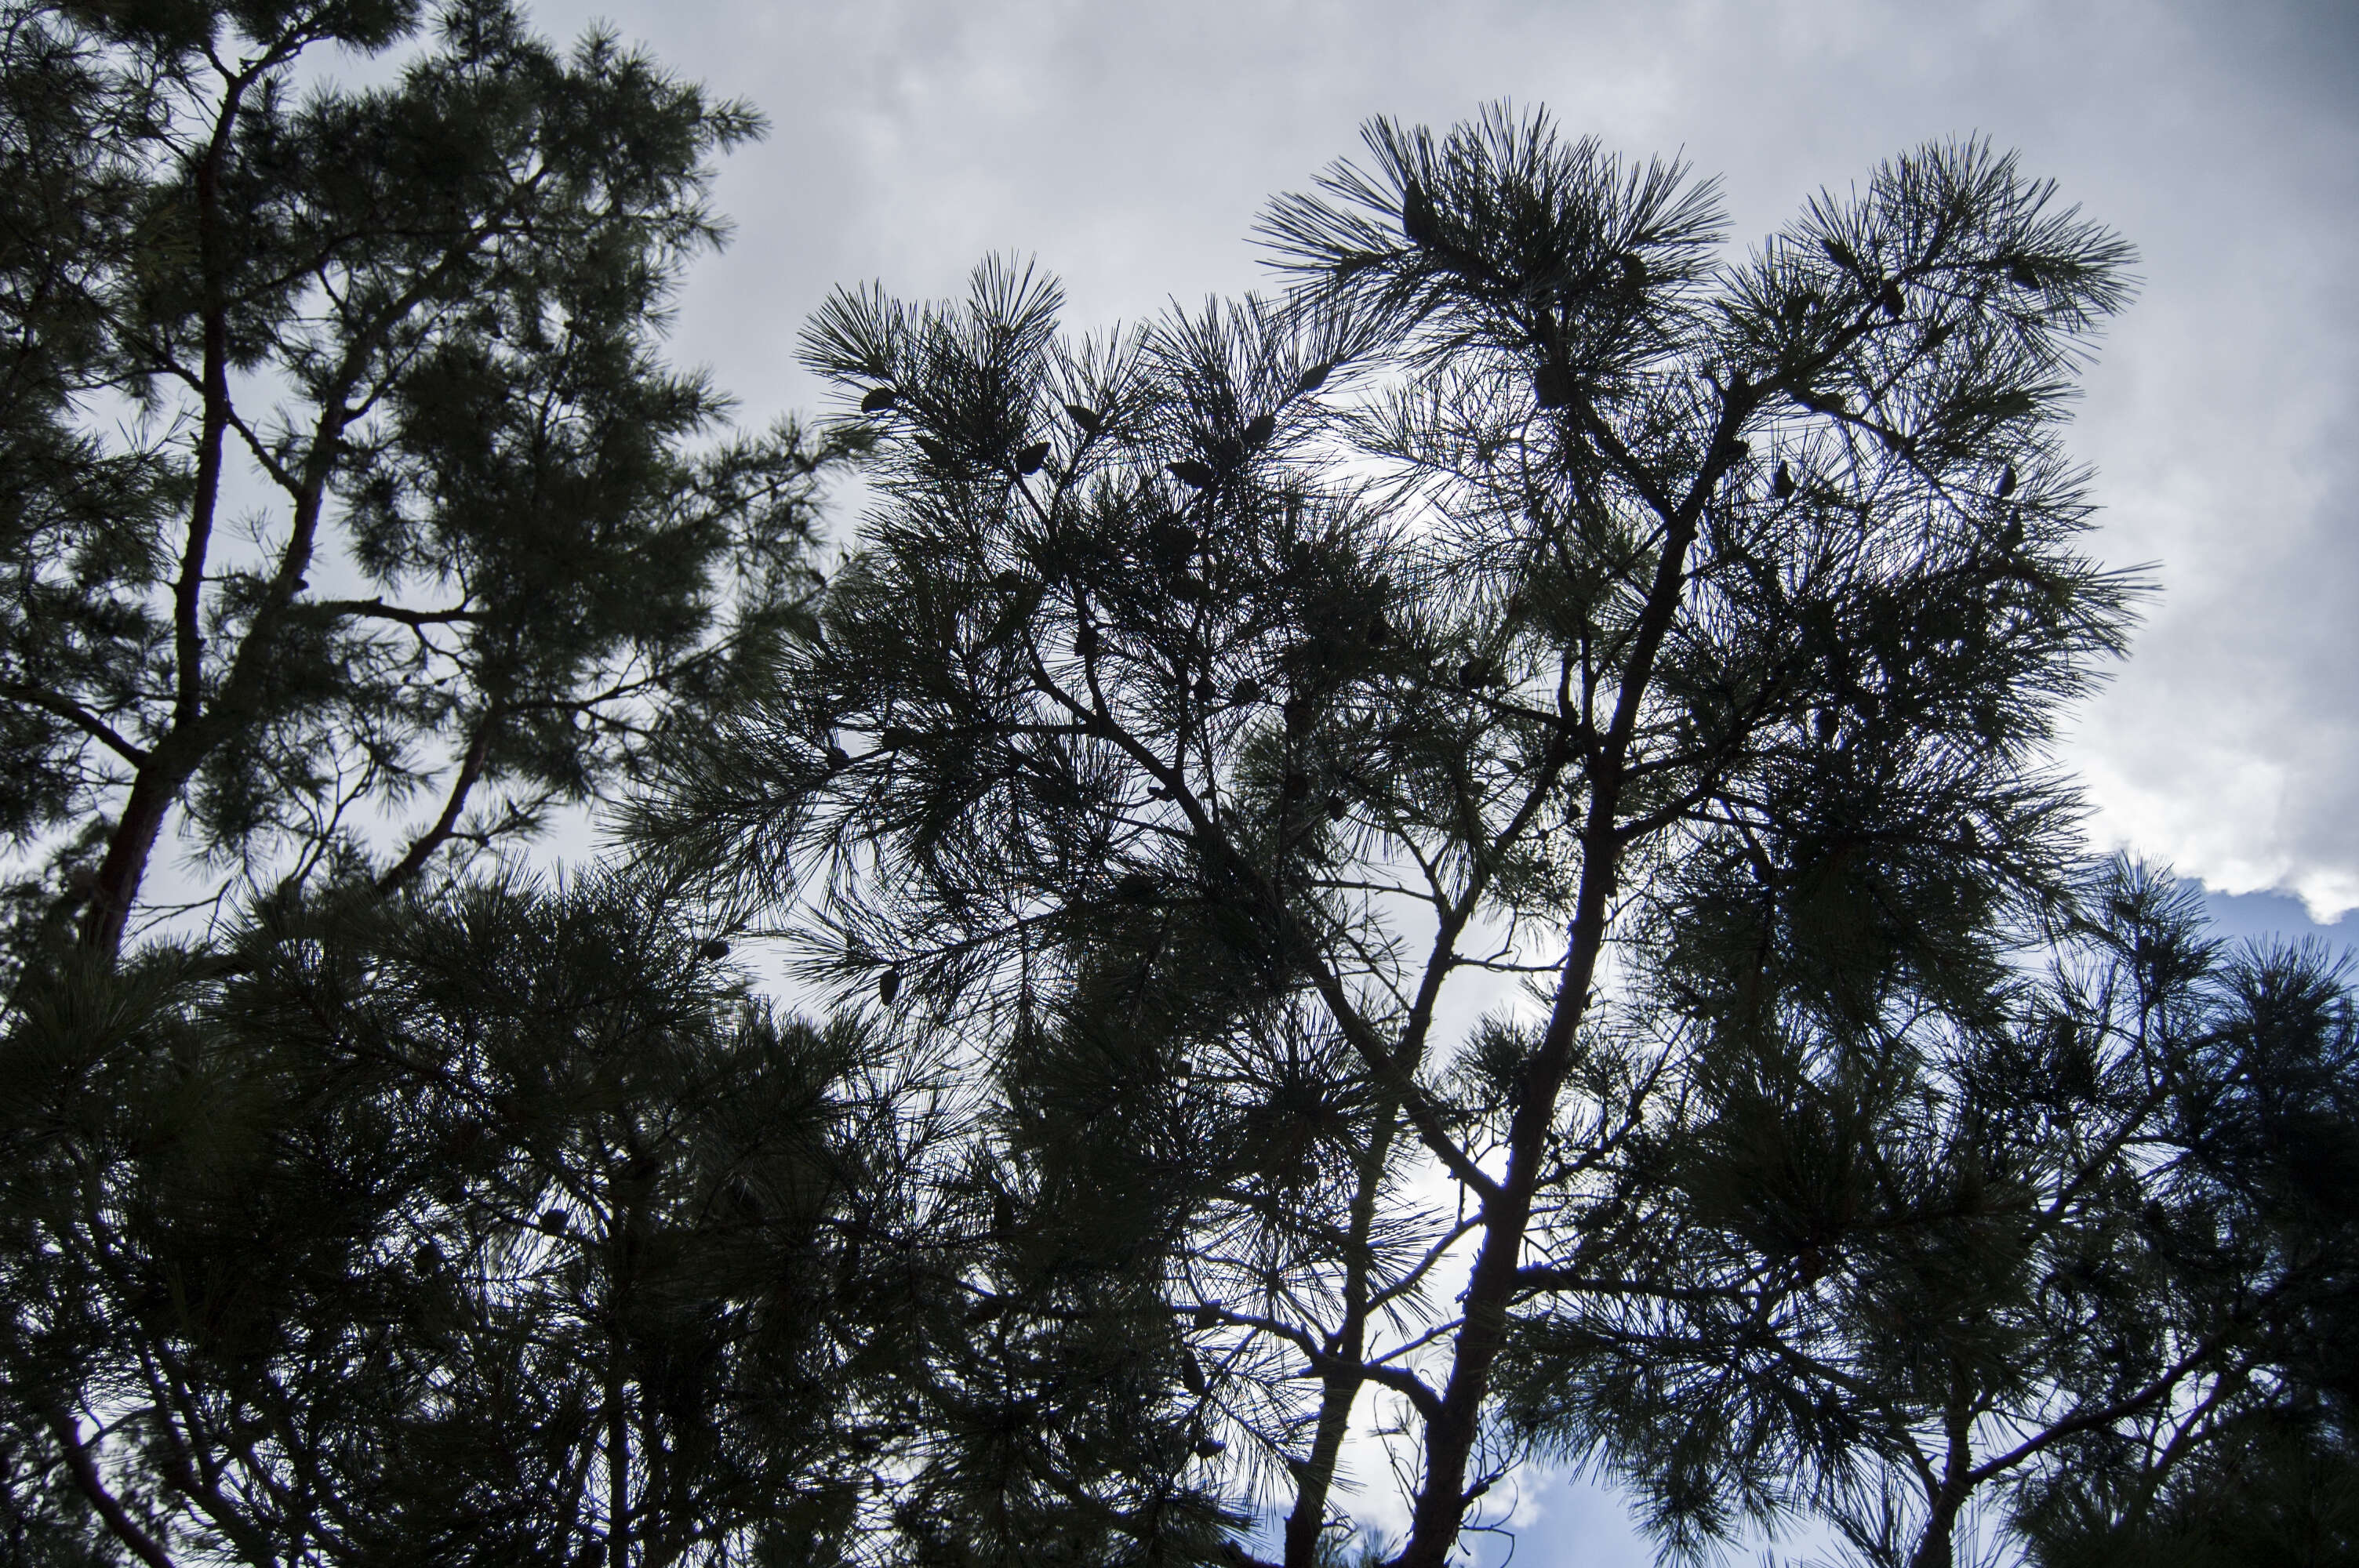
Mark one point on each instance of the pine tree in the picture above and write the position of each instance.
(2256, 1210)
(1207, 709)
(1906, 1265)
(398, 1216)
(342, 466)
(495, 1228)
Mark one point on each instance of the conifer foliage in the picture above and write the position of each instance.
(391, 1217)
(1998, 1263)
(345, 478)
(1480, 826)
(492, 1230)
(1468, 849)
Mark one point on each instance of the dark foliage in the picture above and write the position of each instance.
(2028, 1254)
(1473, 841)
(341, 467)
(500, 1229)
(1207, 711)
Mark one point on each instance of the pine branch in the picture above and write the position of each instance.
(446, 825)
(92, 1486)
(78, 715)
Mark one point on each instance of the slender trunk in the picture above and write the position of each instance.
(1937, 1547)
(618, 1447)
(1343, 1381)
(1450, 1437)
(188, 592)
(1307, 1523)
(153, 792)
(196, 727)
(1349, 1347)
(171, 764)
(622, 1232)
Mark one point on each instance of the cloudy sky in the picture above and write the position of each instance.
(1129, 145)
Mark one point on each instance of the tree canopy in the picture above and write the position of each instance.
(1471, 846)
(344, 471)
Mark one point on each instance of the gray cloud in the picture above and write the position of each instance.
(1128, 149)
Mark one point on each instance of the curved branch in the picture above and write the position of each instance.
(75, 714)
(145, 1547)
(446, 827)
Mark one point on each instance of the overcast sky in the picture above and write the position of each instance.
(1129, 147)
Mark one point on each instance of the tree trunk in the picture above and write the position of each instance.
(1450, 1438)
(1936, 1548)
(618, 1429)
(1316, 1480)
(117, 890)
